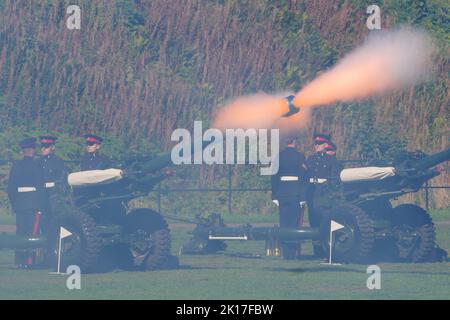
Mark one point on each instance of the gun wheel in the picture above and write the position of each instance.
(355, 241)
(414, 233)
(82, 247)
(149, 239)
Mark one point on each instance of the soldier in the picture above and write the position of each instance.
(25, 193)
(288, 192)
(322, 167)
(93, 160)
(53, 167)
(320, 164)
(54, 172)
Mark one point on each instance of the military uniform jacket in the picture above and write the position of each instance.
(94, 161)
(290, 179)
(53, 169)
(26, 186)
(322, 166)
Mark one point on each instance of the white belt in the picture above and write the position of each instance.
(289, 178)
(49, 184)
(319, 180)
(302, 203)
(26, 189)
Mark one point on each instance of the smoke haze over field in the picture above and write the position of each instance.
(385, 62)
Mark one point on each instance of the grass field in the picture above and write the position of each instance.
(243, 272)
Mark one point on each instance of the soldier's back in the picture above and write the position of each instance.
(25, 185)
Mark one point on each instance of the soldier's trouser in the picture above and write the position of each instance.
(290, 212)
(24, 227)
(315, 193)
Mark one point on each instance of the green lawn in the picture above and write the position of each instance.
(243, 272)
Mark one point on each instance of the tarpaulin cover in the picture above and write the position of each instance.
(94, 177)
(366, 174)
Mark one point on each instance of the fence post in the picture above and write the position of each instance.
(229, 189)
(427, 195)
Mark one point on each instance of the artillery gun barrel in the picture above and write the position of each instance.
(157, 163)
(11, 241)
(433, 160)
(164, 160)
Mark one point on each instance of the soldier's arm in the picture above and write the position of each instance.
(274, 182)
(12, 185)
(63, 171)
(336, 167)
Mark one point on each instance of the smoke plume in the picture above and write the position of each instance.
(385, 62)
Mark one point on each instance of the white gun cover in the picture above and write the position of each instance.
(366, 174)
(94, 177)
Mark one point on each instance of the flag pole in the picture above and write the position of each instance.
(331, 242)
(59, 253)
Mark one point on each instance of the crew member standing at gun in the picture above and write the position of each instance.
(53, 167)
(321, 163)
(93, 159)
(288, 190)
(54, 172)
(322, 167)
(25, 193)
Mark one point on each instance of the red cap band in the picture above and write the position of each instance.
(47, 141)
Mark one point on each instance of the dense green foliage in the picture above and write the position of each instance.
(137, 69)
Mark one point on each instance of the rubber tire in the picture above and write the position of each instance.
(153, 223)
(83, 225)
(363, 230)
(414, 216)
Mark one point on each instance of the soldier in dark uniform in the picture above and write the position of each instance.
(25, 192)
(288, 189)
(54, 172)
(53, 167)
(93, 159)
(320, 165)
(323, 168)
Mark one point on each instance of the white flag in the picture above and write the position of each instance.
(335, 226)
(63, 233)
